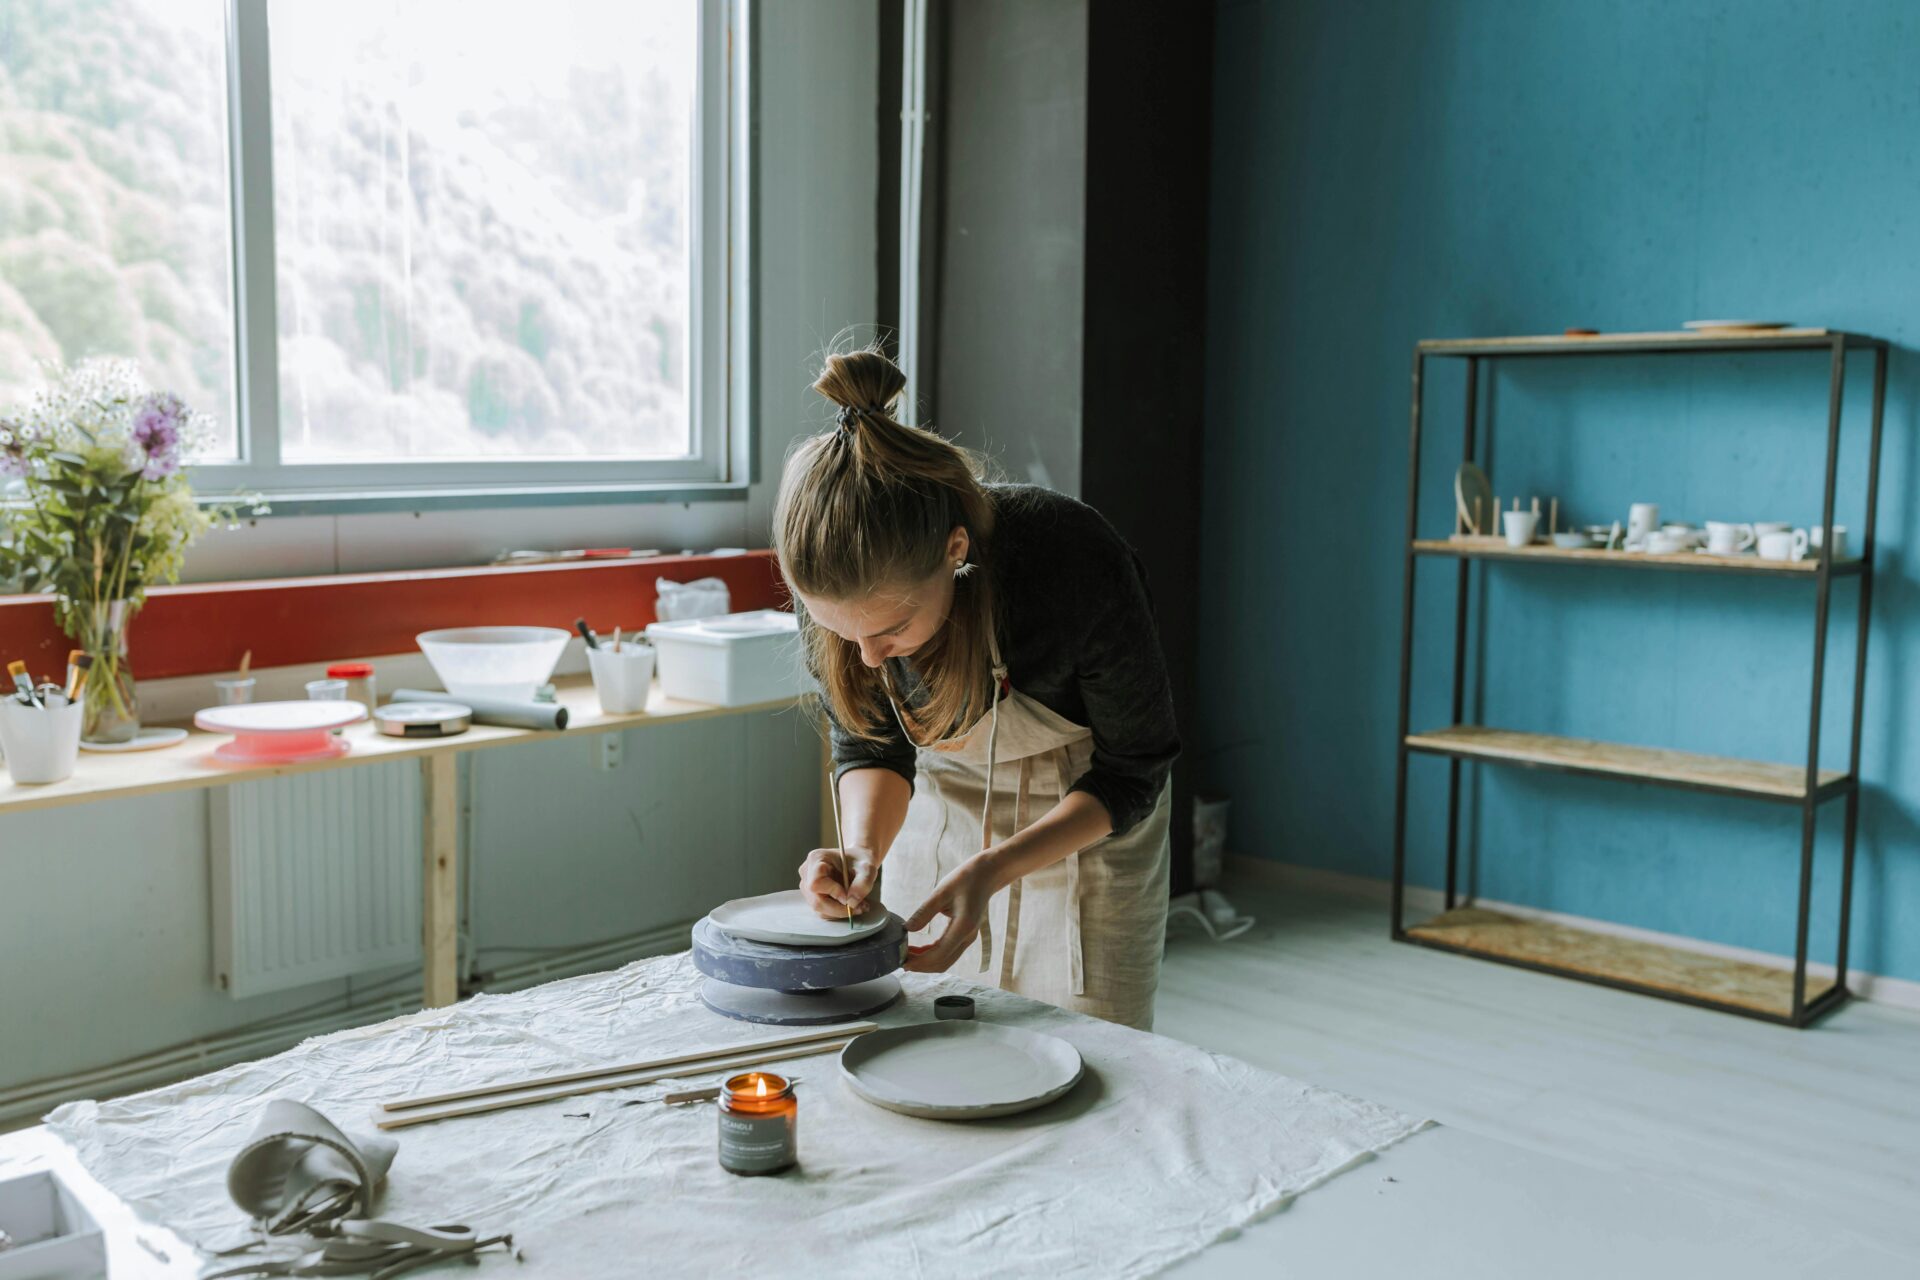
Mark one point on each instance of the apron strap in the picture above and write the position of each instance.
(986, 813)
(1076, 961)
(1021, 815)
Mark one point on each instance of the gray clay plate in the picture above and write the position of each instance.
(959, 1070)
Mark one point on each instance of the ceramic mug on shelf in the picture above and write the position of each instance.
(1839, 539)
(1661, 543)
(1783, 544)
(1727, 539)
(1519, 526)
(1643, 518)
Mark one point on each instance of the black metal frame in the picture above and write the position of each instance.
(1814, 794)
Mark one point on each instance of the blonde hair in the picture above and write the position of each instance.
(869, 505)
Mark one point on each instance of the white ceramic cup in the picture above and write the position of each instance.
(41, 745)
(1761, 528)
(1783, 544)
(1839, 539)
(1519, 526)
(623, 678)
(1643, 518)
(1726, 539)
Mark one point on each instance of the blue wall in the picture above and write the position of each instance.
(1387, 172)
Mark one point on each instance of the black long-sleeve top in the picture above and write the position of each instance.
(1077, 634)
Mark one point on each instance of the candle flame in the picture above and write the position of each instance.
(760, 1085)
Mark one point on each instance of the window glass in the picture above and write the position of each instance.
(113, 194)
(482, 215)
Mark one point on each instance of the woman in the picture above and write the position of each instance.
(1002, 723)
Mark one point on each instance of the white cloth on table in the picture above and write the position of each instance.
(1161, 1150)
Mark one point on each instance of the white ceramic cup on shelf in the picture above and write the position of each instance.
(42, 744)
(1839, 540)
(622, 677)
(1783, 544)
(1520, 526)
(1643, 518)
(1761, 528)
(1728, 539)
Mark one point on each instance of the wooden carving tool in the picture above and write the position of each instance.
(534, 1092)
(845, 1031)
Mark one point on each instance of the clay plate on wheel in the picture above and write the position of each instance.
(785, 920)
(960, 1070)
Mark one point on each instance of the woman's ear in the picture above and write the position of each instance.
(958, 544)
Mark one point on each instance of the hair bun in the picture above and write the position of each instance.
(863, 383)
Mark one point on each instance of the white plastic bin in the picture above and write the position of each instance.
(54, 1238)
(733, 660)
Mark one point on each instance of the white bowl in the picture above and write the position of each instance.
(493, 662)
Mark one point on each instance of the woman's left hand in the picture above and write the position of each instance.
(962, 897)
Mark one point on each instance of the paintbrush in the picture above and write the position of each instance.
(586, 633)
(73, 658)
(246, 660)
(81, 665)
(24, 683)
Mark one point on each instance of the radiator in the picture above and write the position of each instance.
(315, 876)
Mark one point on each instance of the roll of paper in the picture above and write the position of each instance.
(502, 711)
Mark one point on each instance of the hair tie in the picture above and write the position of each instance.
(852, 413)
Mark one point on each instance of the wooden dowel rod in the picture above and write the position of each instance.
(480, 1106)
(845, 1031)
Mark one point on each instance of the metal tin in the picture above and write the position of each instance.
(958, 1008)
(423, 719)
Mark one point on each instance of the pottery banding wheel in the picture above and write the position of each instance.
(799, 986)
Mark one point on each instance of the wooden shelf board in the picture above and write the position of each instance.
(1610, 958)
(1683, 561)
(1660, 340)
(186, 766)
(1724, 774)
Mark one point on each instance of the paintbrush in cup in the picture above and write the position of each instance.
(80, 667)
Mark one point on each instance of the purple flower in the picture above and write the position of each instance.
(156, 429)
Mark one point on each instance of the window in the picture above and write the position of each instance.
(113, 193)
(476, 247)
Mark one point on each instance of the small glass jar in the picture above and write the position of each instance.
(361, 687)
(758, 1114)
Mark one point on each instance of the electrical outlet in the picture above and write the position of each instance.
(607, 750)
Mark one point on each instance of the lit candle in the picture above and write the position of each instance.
(758, 1113)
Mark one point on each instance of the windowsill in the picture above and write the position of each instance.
(443, 498)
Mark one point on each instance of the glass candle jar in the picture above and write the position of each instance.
(757, 1120)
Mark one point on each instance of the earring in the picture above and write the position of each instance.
(961, 568)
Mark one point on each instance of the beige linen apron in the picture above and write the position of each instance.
(1084, 934)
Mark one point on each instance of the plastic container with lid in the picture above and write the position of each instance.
(734, 660)
(361, 686)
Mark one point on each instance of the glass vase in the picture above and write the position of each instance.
(112, 701)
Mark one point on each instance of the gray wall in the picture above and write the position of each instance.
(1012, 235)
(105, 934)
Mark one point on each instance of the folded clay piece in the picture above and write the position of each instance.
(310, 1190)
(298, 1161)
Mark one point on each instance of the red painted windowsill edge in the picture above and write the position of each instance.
(201, 628)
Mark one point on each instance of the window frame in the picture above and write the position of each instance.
(719, 321)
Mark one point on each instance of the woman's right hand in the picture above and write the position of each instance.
(825, 877)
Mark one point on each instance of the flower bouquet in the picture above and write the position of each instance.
(94, 508)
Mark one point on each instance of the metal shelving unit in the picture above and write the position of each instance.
(1751, 990)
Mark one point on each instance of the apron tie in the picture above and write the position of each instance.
(986, 806)
(1022, 792)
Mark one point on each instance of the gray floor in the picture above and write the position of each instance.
(1764, 1137)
